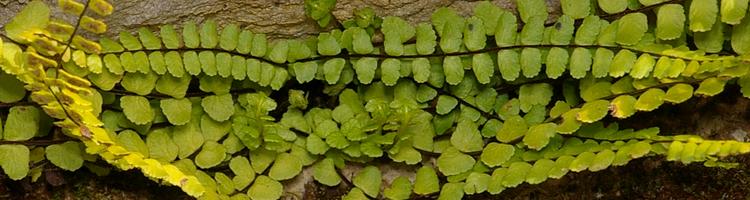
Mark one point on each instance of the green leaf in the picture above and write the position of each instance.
(332, 69)
(533, 31)
(22, 124)
(15, 162)
(305, 72)
(631, 28)
(327, 45)
(578, 9)
(285, 167)
(243, 171)
(561, 167)
(643, 66)
(538, 136)
(670, 21)
(474, 38)
(229, 37)
(112, 62)
(702, 15)
(679, 93)
(466, 137)
(741, 36)
(495, 154)
(262, 159)
(534, 94)
(239, 68)
(259, 45)
(210, 155)
(173, 86)
(156, 60)
(557, 62)
(505, 32)
(218, 107)
(129, 41)
(368, 180)
(558, 109)
(449, 27)
(188, 138)
(602, 160)
(596, 91)
(355, 194)
(426, 39)
(539, 172)
(711, 41)
(395, 32)
(174, 63)
(602, 60)
(580, 62)
(127, 61)
(150, 41)
(32, 18)
(531, 8)
(650, 100)
(337, 140)
(452, 191)
(563, 31)
(733, 11)
(278, 53)
(316, 145)
(582, 161)
(445, 104)
(476, 183)
(531, 62)
(67, 156)
(137, 109)
(365, 69)
(452, 162)
(244, 40)
(426, 181)
(265, 188)
(508, 62)
(453, 69)
(613, 6)
(516, 174)
(224, 64)
(213, 130)
(420, 69)
(325, 173)
(569, 122)
(623, 106)
(208, 34)
(622, 63)
(11, 90)
(513, 128)
(495, 185)
(190, 35)
(361, 42)
(710, 87)
(169, 37)
(482, 66)
(225, 185)
(174, 110)
(389, 71)
(593, 111)
(139, 83)
(588, 30)
(160, 145)
(490, 15)
(400, 189)
(132, 142)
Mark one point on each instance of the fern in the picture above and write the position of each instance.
(497, 102)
